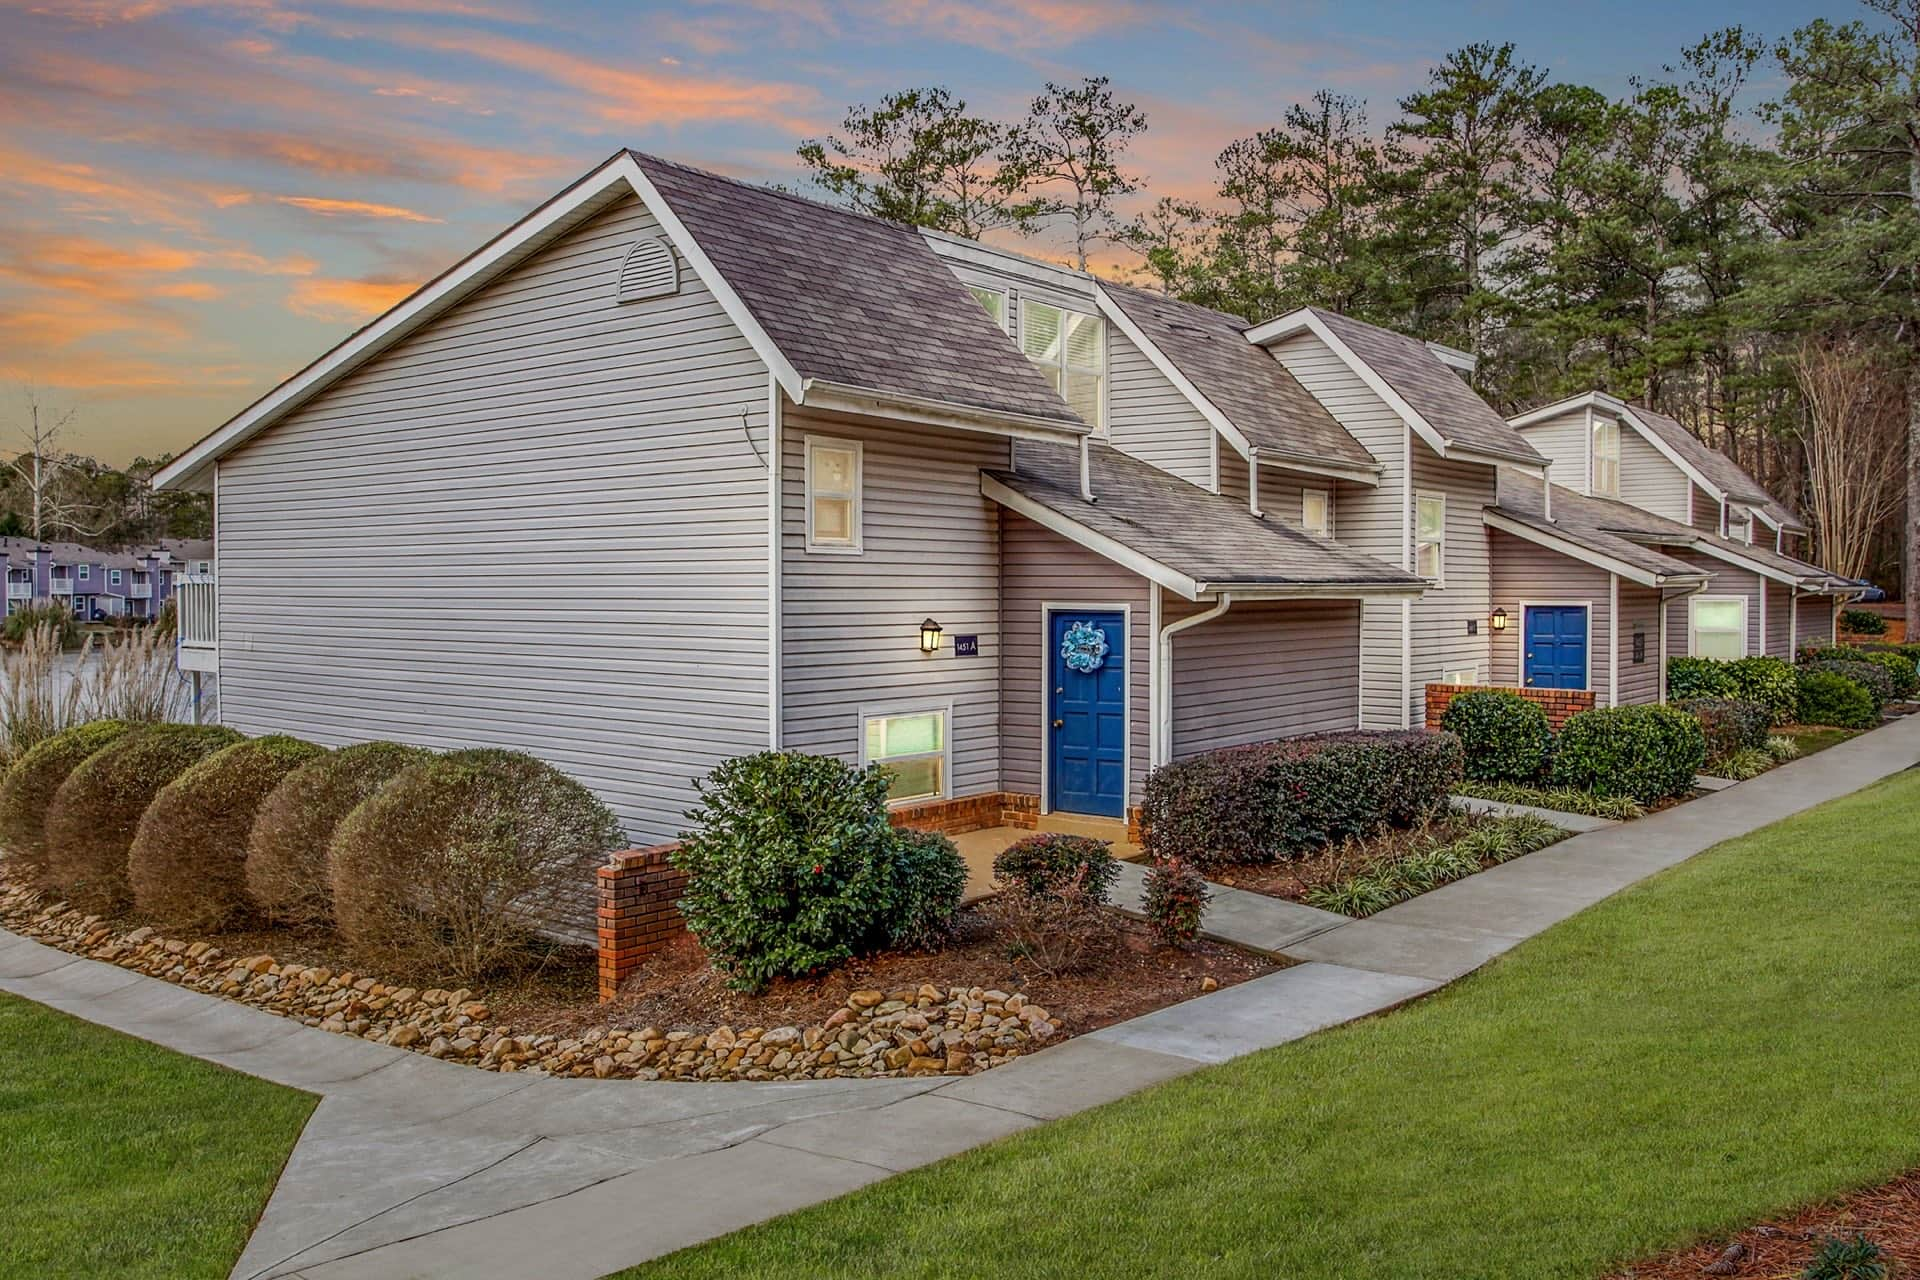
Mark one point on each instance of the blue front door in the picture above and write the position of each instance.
(1556, 640)
(1087, 713)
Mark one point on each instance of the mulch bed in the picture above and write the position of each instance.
(1292, 878)
(1888, 1215)
(1127, 974)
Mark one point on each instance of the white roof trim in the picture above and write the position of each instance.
(1369, 476)
(1304, 320)
(1098, 543)
(1719, 552)
(1622, 411)
(523, 238)
(830, 396)
(1208, 410)
(1251, 591)
(1574, 550)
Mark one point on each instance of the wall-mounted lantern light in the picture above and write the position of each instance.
(929, 636)
(1499, 619)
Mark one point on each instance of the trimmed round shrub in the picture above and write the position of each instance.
(28, 792)
(1863, 622)
(1900, 669)
(1767, 681)
(1829, 698)
(287, 851)
(1175, 899)
(1870, 676)
(1730, 724)
(1690, 678)
(188, 860)
(1504, 737)
(792, 867)
(96, 811)
(461, 860)
(929, 877)
(1648, 753)
(1052, 864)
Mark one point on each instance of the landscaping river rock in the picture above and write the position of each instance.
(926, 1030)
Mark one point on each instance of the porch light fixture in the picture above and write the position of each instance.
(929, 636)
(1499, 619)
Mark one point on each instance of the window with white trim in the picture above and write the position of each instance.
(1463, 675)
(994, 301)
(1717, 627)
(912, 747)
(1430, 536)
(113, 577)
(1606, 458)
(1316, 512)
(86, 572)
(1070, 348)
(833, 495)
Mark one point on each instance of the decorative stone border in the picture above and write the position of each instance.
(920, 1031)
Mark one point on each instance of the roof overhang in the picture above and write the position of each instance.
(834, 397)
(1305, 321)
(1788, 526)
(1777, 574)
(1572, 549)
(1252, 591)
(1368, 475)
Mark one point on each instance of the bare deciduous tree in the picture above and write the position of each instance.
(1853, 429)
(43, 466)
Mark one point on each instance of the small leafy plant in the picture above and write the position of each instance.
(1043, 865)
(1748, 762)
(1782, 748)
(1388, 883)
(1176, 898)
(1863, 622)
(1558, 799)
(1855, 1259)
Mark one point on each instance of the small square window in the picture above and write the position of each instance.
(833, 495)
(1316, 512)
(912, 746)
(113, 577)
(1719, 627)
(86, 572)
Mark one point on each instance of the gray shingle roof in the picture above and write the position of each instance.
(852, 300)
(1205, 536)
(1592, 523)
(1435, 391)
(1244, 382)
(1766, 556)
(1703, 457)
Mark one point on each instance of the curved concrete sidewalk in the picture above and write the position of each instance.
(416, 1168)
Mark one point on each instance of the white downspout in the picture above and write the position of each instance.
(1253, 482)
(1546, 491)
(1613, 639)
(1162, 745)
(1086, 470)
(776, 468)
(1793, 623)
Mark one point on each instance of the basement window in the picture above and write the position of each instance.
(912, 747)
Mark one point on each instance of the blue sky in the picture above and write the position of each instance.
(198, 198)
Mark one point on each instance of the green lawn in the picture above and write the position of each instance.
(125, 1159)
(1738, 1035)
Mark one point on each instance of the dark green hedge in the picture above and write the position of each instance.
(1647, 753)
(1503, 736)
(1831, 699)
(1281, 799)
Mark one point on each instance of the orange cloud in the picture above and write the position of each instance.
(347, 299)
(327, 207)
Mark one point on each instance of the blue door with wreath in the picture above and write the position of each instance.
(1087, 713)
(1556, 640)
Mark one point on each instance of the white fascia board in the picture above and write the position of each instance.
(1369, 476)
(1529, 466)
(1573, 550)
(1288, 325)
(1098, 543)
(525, 237)
(1585, 400)
(1208, 410)
(1243, 591)
(833, 396)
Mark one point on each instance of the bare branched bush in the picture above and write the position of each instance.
(1854, 433)
(132, 679)
(188, 860)
(98, 808)
(41, 696)
(1055, 932)
(28, 793)
(455, 865)
(287, 851)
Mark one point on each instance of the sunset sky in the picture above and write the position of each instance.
(197, 199)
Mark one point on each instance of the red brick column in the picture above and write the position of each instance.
(637, 915)
(1559, 704)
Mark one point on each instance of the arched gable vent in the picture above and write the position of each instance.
(650, 271)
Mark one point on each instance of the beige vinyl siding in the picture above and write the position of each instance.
(1648, 480)
(1727, 580)
(1814, 622)
(1148, 417)
(1040, 568)
(1565, 440)
(1526, 573)
(1440, 617)
(1369, 519)
(1639, 611)
(1705, 511)
(1263, 671)
(1279, 490)
(1779, 630)
(851, 623)
(539, 523)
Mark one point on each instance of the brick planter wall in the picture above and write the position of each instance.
(637, 915)
(1558, 703)
(970, 813)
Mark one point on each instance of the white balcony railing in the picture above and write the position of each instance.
(197, 624)
(19, 591)
(141, 591)
(62, 586)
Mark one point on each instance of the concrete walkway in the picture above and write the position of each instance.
(416, 1168)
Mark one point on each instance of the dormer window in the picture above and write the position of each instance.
(1606, 458)
(1070, 348)
(1316, 512)
(993, 302)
